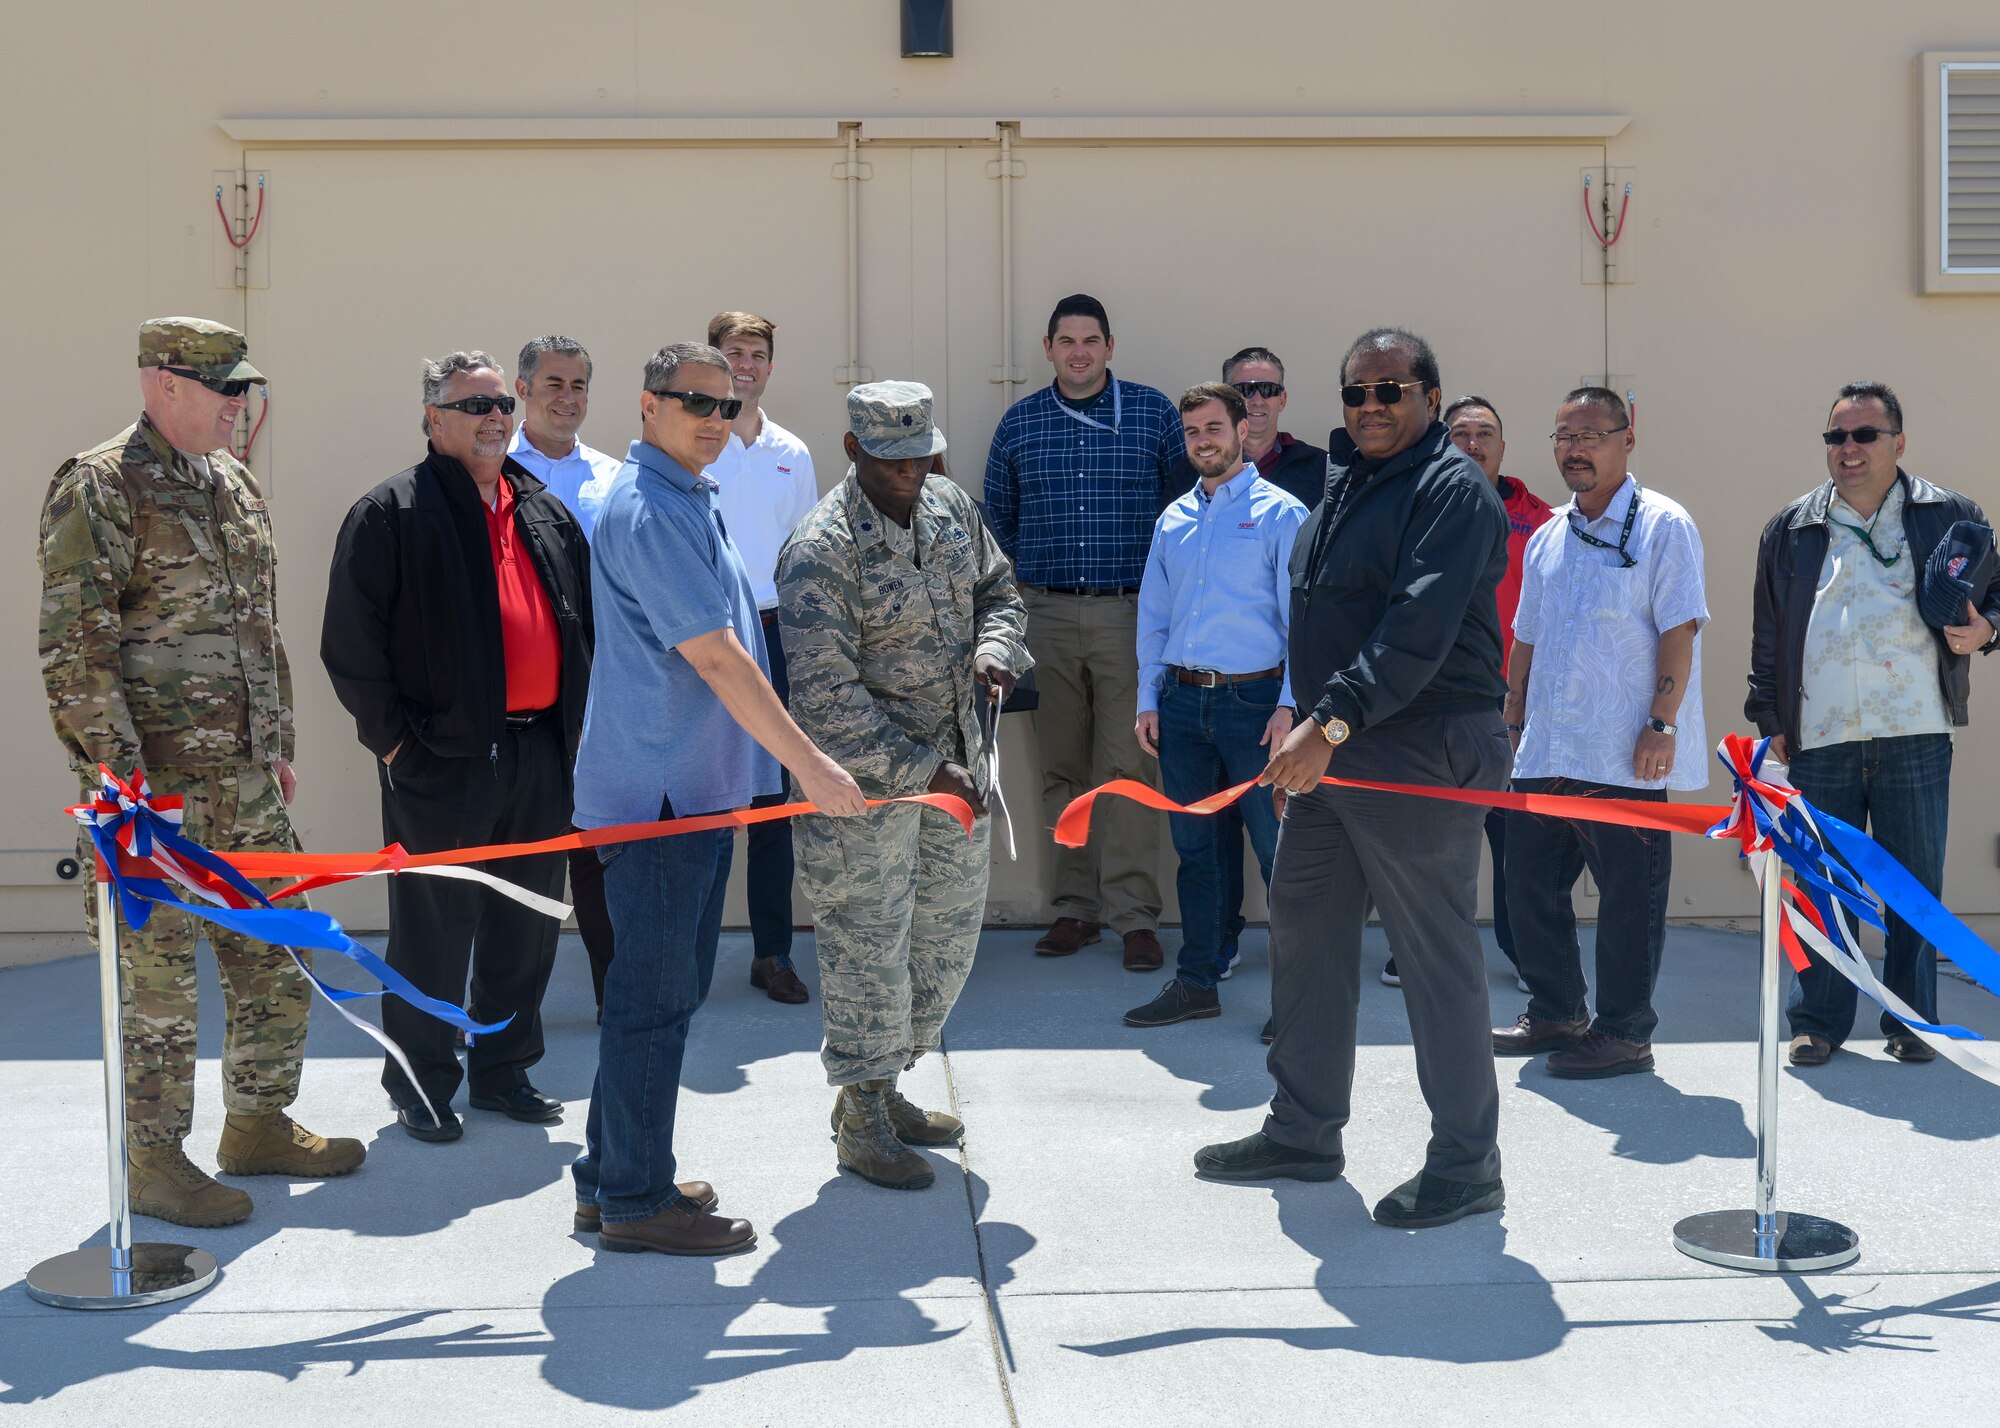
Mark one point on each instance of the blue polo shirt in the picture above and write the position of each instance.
(662, 571)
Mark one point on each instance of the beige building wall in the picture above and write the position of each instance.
(619, 171)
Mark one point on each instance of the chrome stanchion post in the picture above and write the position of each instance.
(1764, 1237)
(120, 1275)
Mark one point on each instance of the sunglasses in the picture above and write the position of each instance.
(1267, 390)
(478, 406)
(701, 404)
(1355, 394)
(221, 386)
(1860, 436)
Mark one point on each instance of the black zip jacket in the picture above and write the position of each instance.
(1300, 472)
(1393, 612)
(1789, 557)
(412, 634)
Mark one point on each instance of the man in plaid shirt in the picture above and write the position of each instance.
(1078, 473)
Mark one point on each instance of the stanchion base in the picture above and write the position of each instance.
(82, 1278)
(1800, 1242)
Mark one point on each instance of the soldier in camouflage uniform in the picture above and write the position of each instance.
(899, 616)
(160, 650)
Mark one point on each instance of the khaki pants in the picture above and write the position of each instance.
(1087, 673)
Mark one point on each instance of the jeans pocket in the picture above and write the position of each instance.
(607, 851)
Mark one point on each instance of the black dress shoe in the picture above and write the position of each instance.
(1258, 1157)
(1178, 1001)
(1270, 1032)
(521, 1103)
(1425, 1200)
(417, 1123)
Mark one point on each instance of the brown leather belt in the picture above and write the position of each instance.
(1115, 591)
(1208, 678)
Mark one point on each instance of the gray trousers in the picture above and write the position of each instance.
(1419, 858)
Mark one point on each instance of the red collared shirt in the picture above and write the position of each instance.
(528, 631)
(1525, 513)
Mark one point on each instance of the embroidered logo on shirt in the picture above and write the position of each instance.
(786, 469)
(1246, 525)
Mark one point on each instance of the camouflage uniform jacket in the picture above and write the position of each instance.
(159, 625)
(881, 626)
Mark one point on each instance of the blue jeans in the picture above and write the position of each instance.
(1208, 741)
(1898, 791)
(665, 896)
(767, 865)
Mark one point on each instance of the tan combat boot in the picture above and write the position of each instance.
(912, 1124)
(272, 1143)
(164, 1183)
(866, 1143)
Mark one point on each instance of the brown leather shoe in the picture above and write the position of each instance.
(1905, 1047)
(1598, 1055)
(1066, 935)
(679, 1229)
(777, 981)
(1530, 1034)
(589, 1219)
(1142, 951)
(1811, 1050)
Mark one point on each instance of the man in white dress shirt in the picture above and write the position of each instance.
(552, 379)
(766, 487)
(1607, 646)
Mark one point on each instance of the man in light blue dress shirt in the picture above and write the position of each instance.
(1214, 610)
(552, 379)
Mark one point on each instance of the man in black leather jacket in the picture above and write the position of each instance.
(458, 636)
(1857, 692)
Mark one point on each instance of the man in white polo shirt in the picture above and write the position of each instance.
(765, 488)
(552, 379)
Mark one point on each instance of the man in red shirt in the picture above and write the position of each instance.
(458, 636)
(1474, 428)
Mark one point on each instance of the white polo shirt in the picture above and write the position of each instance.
(766, 489)
(581, 478)
(1595, 624)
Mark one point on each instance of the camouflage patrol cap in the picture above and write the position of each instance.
(199, 345)
(892, 420)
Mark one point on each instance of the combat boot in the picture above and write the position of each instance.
(866, 1143)
(162, 1182)
(912, 1124)
(272, 1143)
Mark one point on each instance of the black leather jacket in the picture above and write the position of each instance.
(1789, 557)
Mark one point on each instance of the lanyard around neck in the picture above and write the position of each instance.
(1624, 532)
(1117, 409)
(1866, 535)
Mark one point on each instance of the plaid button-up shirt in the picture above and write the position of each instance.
(1072, 496)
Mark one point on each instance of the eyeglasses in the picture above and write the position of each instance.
(1355, 394)
(700, 404)
(1860, 435)
(221, 386)
(1586, 439)
(478, 406)
(1262, 389)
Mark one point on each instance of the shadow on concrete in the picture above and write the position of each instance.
(1393, 1322)
(1654, 1121)
(1936, 1099)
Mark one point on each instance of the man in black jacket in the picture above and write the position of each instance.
(458, 636)
(1395, 660)
(1858, 693)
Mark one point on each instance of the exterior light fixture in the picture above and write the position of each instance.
(926, 29)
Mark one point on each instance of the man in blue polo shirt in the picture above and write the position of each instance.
(1077, 475)
(679, 707)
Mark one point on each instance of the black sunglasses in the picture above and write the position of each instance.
(478, 406)
(700, 404)
(1354, 394)
(1862, 435)
(221, 386)
(1266, 390)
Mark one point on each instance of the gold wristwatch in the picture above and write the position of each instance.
(1334, 731)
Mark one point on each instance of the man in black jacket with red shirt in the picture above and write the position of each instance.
(1395, 663)
(458, 636)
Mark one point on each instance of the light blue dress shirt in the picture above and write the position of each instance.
(1217, 593)
(581, 480)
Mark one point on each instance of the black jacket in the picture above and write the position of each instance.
(1300, 472)
(1789, 557)
(1393, 612)
(412, 633)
